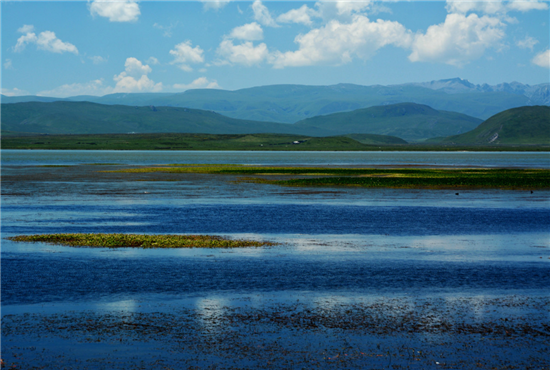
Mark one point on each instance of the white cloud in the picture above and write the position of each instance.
(342, 11)
(134, 78)
(350, 7)
(45, 40)
(23, 41)
(199, 83)
(527, 43)
(98, 59)
(184, 54)
(94, 87)
(488, 7)
(494, 7)
(338, 43)
(116, 11)
(27, 28)
(542, 59)
(14, 92)
(458, 40)
(8, 64)
(262, 15)
(301, 15)
(251, 31)
(245, 53)
(214, 4)
(48, 41)
(525, 5)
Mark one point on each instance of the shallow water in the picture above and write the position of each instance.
(428, 271)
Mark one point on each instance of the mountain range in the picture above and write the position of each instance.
(408, 121)
(293, 103)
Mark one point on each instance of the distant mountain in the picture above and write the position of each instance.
(409, 121)
(520, 126)
(91, 118)
(292, 103)
(537, 94)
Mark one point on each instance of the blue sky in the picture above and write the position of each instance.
(62, 48)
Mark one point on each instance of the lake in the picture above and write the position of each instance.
(362, 278)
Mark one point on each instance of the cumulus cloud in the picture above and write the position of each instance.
(98, 59)
(338, 43)
(542, 59)
(262, 14)
(301, 15)
(184, 54)
(115, 10)
(48, 41)
(134, 78)
(527, 43)
(251, 31)
(214, 4)
(246, 53)
(26, 28)
(14, 92)
(199, 83)
(94, 87)
(458, 40)
(45, 41)
(22, 41)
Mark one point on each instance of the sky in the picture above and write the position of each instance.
(69, 48)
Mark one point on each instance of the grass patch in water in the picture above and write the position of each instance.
(438, 178)
(140, 241)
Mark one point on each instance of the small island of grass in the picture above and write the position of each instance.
(140, 241)
(405, 178)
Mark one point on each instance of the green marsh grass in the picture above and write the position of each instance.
(431, 178)
(140, 241)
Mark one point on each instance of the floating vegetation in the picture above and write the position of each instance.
(140, 241)
(430, 178)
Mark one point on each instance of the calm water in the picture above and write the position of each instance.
(340, 247)
(484, 159)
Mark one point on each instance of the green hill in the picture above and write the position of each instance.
(518, 126)
(376, 125)
(412, 122)
(91, 118)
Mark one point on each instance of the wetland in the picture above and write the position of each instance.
(359, 277)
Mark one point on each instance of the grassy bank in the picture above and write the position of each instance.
(139, 241)
(263, 142)
(371, 177)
